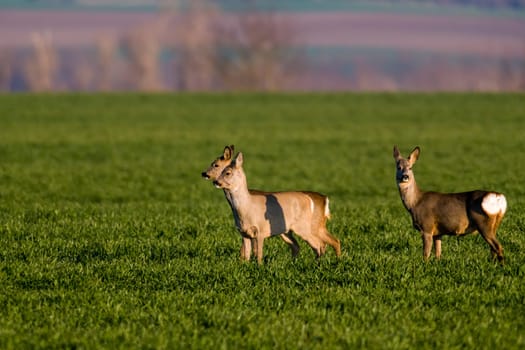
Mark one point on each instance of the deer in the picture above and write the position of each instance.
(435, 214)
(259, 215)
(213, 172)
(321, 203)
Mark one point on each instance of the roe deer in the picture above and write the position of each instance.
(320, 203)
(435, 214)
(214, 171)
(259, 215)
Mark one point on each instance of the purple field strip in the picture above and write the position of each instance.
(477, 35)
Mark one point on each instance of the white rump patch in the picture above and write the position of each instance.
(327, 208)
(494, 203)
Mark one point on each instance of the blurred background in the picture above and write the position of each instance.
(270, 45)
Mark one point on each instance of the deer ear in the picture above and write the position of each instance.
(414, 155)
(397, 155)
(228, 152)
(239, 160)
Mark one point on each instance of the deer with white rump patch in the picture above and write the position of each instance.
(259, 215)
(435, 214)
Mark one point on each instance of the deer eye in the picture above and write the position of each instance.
(216, 165)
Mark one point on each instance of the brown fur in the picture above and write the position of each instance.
(259, 215)
(320, 208)
(435, 214)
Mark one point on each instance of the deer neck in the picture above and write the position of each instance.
(228, 196)
(410, 194)
(239, 197)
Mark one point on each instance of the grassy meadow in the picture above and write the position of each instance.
(110, 239)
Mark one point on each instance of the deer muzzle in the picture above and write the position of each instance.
(402, 178)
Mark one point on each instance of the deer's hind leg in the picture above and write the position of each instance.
(317, 245)
(311, 237)
(488, 232)
(292, 242)
(315, 242)
(329, 239)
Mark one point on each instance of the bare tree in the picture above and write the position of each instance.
(197, 46)
(235, 51)
(41, 66)
(142, 47)
(106, 47)
(258, 53)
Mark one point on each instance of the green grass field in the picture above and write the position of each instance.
(110, 239)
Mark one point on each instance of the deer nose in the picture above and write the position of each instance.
(402, 177)
(204, 175)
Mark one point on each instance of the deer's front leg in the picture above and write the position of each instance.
(257, 242)
(253, 242)
(427, 244)
(437, 246)
(246, 248)
(260, 242)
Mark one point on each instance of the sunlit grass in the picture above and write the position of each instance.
(109, 238)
